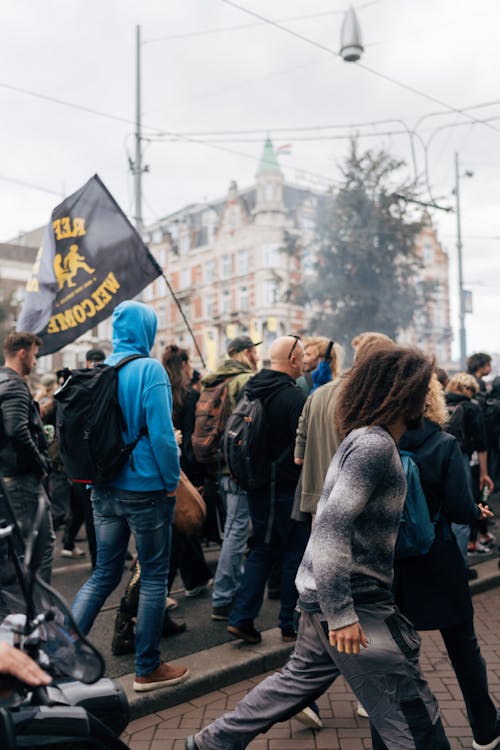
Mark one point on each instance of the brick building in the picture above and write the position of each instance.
(225, 262)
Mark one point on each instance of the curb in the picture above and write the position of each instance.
(218, 667)
(211, 670)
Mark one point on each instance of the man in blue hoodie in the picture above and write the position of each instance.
(140, 499)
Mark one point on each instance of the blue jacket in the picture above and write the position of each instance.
(146, 401)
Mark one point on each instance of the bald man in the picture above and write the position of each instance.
(275, 535)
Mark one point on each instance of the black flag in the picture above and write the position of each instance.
(91, 259)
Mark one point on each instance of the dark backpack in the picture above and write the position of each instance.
(90, 423)
(212, 411)
(491, 413)
(416, 528)
(456, 424)
(246, 444)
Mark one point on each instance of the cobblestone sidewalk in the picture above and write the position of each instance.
(343, 729)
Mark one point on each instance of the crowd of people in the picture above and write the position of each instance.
(319, 532)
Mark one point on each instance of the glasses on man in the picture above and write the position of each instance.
(297, 339)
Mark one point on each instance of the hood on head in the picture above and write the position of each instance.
(134, 327)
(265, 382)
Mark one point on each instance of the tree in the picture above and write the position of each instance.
(364, 266)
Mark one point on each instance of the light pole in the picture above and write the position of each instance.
(461, 297)
(136, 166)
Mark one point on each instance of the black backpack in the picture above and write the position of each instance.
(456, 424)
(246, 444)
(90, 422)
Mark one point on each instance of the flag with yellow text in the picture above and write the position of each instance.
(91, 258)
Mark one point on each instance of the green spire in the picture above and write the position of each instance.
(269, 161)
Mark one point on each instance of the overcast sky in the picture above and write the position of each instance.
(257, 78)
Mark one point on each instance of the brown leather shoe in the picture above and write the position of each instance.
(165, 676)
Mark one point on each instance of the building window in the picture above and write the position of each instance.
(226, 266)
(185, 280)
(226, 302)
(268, 191)
(209, 271)
(149, 292)
(209, 306)
(162, 316)
(184, 243)
(271, 254)
(244, 302)
(69, 358)
(270, 292)
(428, 253)
(243, 261)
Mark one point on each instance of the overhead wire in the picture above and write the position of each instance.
(243, 26)
(382, 76)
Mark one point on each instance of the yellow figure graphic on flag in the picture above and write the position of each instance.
(66, 270)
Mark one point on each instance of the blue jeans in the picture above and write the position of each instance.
(288, 542)
(23, 495)
(230, 565)
(149, 517)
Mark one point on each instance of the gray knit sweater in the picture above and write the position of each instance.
(349, 556)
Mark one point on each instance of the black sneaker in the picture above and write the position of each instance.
(221, 613)
(246, 632)
(472, 574)
(170, 627)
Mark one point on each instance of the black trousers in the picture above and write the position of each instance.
(470, 669)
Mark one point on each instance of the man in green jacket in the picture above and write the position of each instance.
(237, 369)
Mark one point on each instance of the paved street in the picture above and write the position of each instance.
(343, 730)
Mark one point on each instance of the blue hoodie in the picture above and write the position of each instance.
(146, 400)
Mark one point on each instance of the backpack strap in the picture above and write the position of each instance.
(144, 430)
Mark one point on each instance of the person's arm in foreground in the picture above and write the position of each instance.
(18, 664)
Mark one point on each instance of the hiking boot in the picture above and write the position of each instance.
(309, 717)
(123, 637)
(494, 742)
(170, 627)
(245, 631)
(222, 613)
(165, 676)
(477, 746)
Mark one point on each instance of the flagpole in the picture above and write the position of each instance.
(138, 134)
(179, 306)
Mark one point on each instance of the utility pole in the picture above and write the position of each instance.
(461, 301)
(137, 167)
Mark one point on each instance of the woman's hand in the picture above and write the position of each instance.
(349, 639)
(178, 437)
(485, 511)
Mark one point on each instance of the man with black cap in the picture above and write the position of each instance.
(94, 357)
(237, 369)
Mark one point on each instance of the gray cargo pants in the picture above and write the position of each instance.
(385, 677)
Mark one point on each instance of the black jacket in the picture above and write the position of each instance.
(473, 422)
(23, 448)
(432, 590)
(284, 401)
